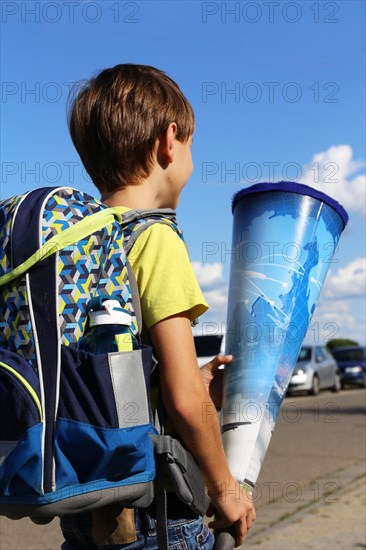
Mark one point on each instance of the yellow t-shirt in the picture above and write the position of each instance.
(165, 278)
(167, 285)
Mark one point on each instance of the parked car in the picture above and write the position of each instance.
(315, 370)
(351, 362)
(207, 346)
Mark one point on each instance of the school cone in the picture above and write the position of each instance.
(284, 238)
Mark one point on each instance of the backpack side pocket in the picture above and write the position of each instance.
(21, 428)
(103, 428)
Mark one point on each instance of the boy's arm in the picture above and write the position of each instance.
(194, 417)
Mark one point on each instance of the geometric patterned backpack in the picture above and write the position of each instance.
(75, 427)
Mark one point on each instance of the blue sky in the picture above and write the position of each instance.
(278, 91)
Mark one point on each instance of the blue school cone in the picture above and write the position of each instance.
(284, 238)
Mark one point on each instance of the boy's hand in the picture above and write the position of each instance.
(212, 377)
(234, 506)
(186, 399)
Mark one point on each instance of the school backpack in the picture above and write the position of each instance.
(75, 428)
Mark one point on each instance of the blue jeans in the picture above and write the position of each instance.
(183, 534)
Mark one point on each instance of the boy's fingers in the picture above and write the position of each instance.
(240, 529)
(216, 362)
(210, 510)
(221, 360)
(241, 532)
(218, 524)
(222, 523)
(249, 522)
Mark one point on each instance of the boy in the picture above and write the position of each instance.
(133, 128)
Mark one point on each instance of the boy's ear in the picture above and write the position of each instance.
(165, 152)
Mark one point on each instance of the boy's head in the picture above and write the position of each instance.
(117, 117)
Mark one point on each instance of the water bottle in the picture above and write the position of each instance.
(109, 328)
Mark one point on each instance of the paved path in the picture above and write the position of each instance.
(311, 491)
(332, 519)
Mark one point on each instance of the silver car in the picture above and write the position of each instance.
(315, 370)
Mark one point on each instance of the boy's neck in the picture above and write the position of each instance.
(136, 196)
(148, 194)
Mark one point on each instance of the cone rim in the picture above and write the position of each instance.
(291, 187)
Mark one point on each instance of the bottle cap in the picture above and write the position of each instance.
(111, 313)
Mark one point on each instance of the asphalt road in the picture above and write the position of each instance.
(314, 437)
(311, 490)
(314, 463)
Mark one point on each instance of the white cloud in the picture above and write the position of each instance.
(339, 312)
(336, 319)
(208, 274)
(214, 287)
(217, 298)
(331, 172)
(348, 281)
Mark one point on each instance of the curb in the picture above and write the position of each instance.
(331, 514)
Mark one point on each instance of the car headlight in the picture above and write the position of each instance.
(353, 369)
(300, 371)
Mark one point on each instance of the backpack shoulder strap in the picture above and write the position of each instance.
(27, 246)
(134, 222)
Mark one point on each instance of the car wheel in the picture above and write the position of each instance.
(314, 385)
(337, 383)
(364, 381)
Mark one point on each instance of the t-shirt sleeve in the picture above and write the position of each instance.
(164, 275)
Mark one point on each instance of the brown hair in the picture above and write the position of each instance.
(116, 118)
